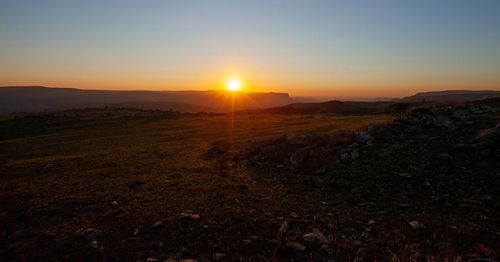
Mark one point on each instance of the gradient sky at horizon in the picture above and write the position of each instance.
(315, 47)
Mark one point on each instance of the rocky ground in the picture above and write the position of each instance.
(149, 187)
(425, 187)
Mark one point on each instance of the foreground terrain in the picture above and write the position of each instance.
(149, 185)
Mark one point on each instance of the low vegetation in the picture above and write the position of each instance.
(146, 185)
(121, 172)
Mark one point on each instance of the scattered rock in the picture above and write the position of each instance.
(461, 115)
(442, 121)
(356, 243)
(136, 231)
(345, 156)
(94, 245)
(283, 229)
(190, 214)
(377, 129)
(415, 224)
(326, 249)
(298, 157)
(91, 234)
(156, 224)
(296, 246)
(355, 154)
(315, 236)
(363, 138)
(406, 175)
(93, 237)
(317, 158)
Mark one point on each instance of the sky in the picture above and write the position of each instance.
(345, 48)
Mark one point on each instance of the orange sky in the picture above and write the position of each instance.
(305, 48)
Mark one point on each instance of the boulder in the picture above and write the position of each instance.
(299, 157)
(442, 121)
(377, 129)
(317, 158)
(461, 115)
(315, 236)
(364, 138)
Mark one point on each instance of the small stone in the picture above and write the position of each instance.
(157, 224)
(345, 156)
(357, 243)
(415, 224)
(294, 215)
(321, 170)
(115, 203)
(296, 246)
(190, 214)
(94, 245)
(326, 249)
(414, 246)
(219, 256)
(442, 121)
(283, 229)
(314, 236)
(299, 156)
(406, 175)
(363, 137)
(355, 154)
(255, 238)
(247, 241)
(91, 234)
(136, 231)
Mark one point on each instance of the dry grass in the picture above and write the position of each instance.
(60, 177)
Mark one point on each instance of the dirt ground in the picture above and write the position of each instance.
(123, 185)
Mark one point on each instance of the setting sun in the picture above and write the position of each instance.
(233, 85)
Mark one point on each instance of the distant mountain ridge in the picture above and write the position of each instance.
(38, 98)
(365, 108)
(452, 95)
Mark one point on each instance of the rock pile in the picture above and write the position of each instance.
(311, 151)
(441, 117)
(315, 152)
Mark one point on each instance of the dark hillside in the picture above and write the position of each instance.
(453, 95)
(39, 98)
(330, 107)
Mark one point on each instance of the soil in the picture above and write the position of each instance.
(118, 185)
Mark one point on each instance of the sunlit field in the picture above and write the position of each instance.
(59, 176)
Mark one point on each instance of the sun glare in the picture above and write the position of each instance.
(233, 85)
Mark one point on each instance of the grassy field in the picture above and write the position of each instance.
(121, 171)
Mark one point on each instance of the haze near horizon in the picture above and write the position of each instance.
(313, 48)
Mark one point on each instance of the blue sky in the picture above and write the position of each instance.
(314, 47)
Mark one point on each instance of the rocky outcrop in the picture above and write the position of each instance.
(318, 152)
